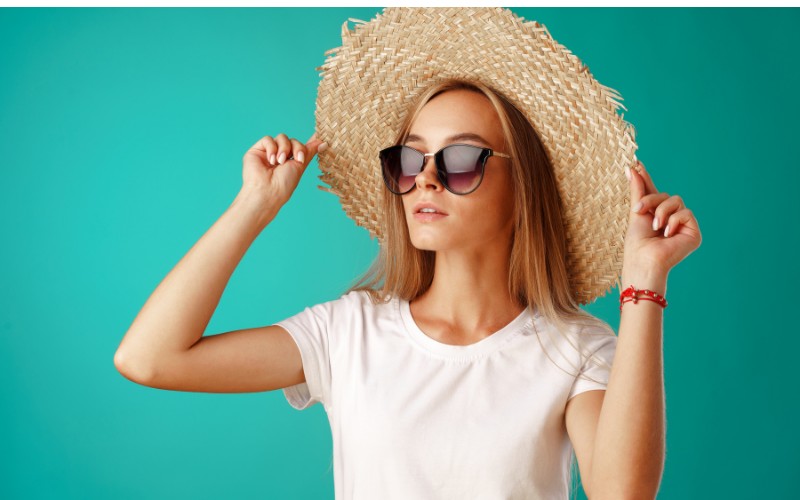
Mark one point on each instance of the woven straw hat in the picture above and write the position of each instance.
(367, 84)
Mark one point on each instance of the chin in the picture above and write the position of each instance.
(428, 243)
(425, 247)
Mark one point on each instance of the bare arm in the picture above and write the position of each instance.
(631, 427)
(177, 313)
(619, 434)
(164, 346)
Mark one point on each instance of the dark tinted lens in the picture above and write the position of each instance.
(400, 167)
(463, 165)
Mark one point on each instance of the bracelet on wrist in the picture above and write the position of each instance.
(632, 294)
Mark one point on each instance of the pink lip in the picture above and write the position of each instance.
(426, 204)
(428, 217)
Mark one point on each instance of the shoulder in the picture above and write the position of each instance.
(577, 338)
(361, 298)
(596, 341)
(357, 301)
(594, 328)
(581, 328)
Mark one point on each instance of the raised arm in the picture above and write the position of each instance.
(165, 347)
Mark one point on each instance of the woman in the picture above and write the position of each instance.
(451, 377)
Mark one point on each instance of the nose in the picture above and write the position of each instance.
(428, 177)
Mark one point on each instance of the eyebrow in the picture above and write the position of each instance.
(463, 136)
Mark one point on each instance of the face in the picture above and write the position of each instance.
(473, 221)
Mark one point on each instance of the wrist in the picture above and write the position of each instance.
(645, 279)
(252, 201)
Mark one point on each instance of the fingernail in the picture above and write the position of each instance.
(300, 157)
(281, 157)
(638, 207)
(272, 160)
(628, 172)
(666, 230)
(322, 147)
(655, 224)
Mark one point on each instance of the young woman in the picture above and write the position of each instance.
(461, 365)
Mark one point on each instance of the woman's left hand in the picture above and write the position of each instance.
(662, 232)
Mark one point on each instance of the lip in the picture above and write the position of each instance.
(426, 204)
(428, 217)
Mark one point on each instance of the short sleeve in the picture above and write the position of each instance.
(600, 343)
(310, 329)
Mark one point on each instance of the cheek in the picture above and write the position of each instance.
(498, 196)
(484, 215)
(503, 196)
(497, 210)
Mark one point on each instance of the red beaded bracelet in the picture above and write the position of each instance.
(630, 295)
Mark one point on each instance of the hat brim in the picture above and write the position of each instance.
(368, 83)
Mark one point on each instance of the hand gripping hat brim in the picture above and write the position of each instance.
(367, 84)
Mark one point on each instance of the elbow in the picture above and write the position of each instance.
(131, 368)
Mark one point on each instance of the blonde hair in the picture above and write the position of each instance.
(538, 270)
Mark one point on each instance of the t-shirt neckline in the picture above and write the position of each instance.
(477, 349)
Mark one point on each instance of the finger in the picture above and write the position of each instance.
(284, 148)
(298, 151)
(263, 147)
(649, 202)
(304, 153)
(665, 209)
(270, 149)
(681, 217)
(266, 146)
(650, 187)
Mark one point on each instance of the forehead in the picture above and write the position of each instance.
(457, 115)
(457, 137)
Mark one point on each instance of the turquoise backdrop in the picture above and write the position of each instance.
(122, 132)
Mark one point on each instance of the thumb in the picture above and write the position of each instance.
(636, 184)
(313, 145)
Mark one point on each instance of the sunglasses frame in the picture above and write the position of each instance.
(441, 173)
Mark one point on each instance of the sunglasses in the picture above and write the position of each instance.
(459, 167)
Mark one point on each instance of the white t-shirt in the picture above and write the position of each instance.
(414, 418)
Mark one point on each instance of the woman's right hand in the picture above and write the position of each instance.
(269, 173)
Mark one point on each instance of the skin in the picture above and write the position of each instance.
(468, 299)
(619, 433)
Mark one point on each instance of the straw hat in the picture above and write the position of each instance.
(367, 84)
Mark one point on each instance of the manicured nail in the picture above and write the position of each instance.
(655, 224)
(666, 231)
(638, 207)
(300, 157)
(628, 172)
(322, 147)
(272, 160)
(281, 157)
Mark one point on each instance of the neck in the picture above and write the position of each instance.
(469, 291)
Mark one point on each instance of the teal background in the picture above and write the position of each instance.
(121, 137)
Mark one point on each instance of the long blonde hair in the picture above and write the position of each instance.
(538, 270)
